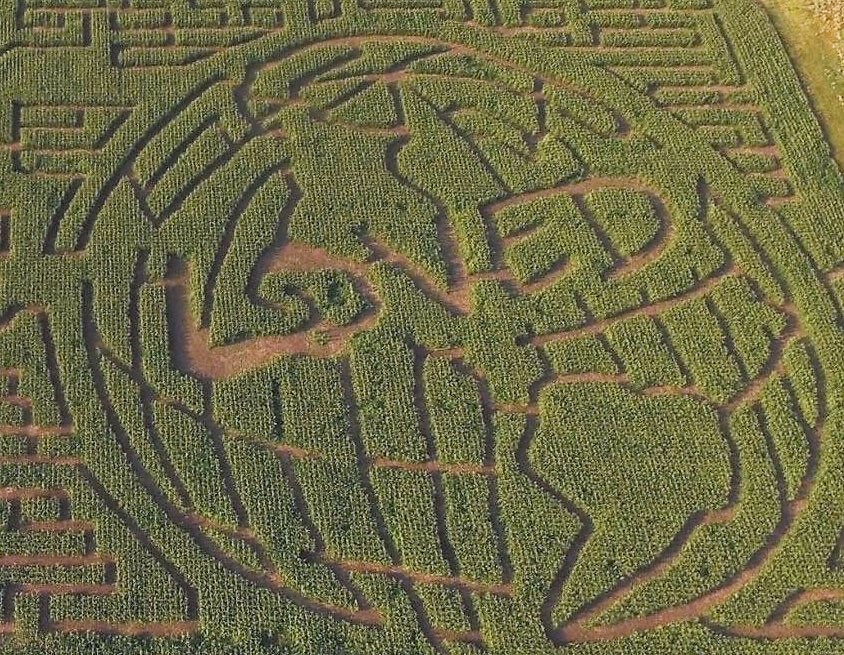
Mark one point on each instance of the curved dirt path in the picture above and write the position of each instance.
(192, 344)
(781, 628)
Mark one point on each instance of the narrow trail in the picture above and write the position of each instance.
(133, 629)
(55, 559)
(781, 628)
(700, 290)
(418, 577)
(31, 493)
(433, 466)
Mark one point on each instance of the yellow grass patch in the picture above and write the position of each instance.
(813, 31)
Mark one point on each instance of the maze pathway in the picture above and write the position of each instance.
(416, 326)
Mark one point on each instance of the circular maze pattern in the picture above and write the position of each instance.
(417, 327)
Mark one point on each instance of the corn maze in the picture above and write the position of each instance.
(416, 327)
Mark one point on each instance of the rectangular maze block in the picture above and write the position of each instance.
(145, 32)
(49, 24)
(161, 33)
(59, 140)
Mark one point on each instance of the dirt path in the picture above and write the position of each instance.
(654, 309)
(418, 577)
(780, 628)
(132, 629)
(55, 559)
(30, 493)
(192, 343)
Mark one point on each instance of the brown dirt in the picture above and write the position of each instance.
(207, 362)
(27, 460)
(734, 106)
(55, 559)
(769, 150)
(520, 30)
(638, 11)
(779, 201)
(836, 274)
(28, 493)
(36, 431)
(20, 401)
(133, 629)
(723, 89)
(470, 637)
(420, 577)
(64, 525)
(780, 631)
(281, 449)
(61, 589)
